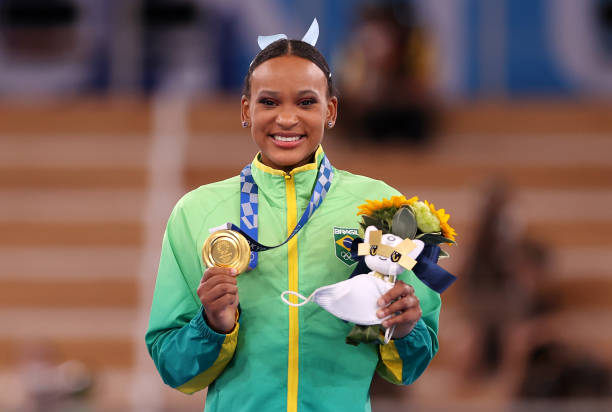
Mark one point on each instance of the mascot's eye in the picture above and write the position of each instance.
(395, 256)
(373, 249)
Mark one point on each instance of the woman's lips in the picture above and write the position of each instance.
(287, 140)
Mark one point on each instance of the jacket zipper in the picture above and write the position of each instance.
(292, 252)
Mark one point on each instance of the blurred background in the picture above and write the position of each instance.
(498, 111)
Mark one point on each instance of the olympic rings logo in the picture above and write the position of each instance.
(346, 255)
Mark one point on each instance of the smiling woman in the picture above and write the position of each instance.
(288, 114)
(233, 334)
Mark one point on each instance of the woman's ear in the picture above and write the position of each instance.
(245, 113)
(332, 110)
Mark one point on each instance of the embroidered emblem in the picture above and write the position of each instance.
(343, 238)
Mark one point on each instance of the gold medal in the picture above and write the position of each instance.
(228, 249)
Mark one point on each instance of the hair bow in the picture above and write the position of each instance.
(310, 37)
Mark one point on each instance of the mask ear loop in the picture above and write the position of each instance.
(389, 331)
(292, 293)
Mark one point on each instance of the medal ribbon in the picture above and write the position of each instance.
(249, 207)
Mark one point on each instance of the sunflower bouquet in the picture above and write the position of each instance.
(409, 218)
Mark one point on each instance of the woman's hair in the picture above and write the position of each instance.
(286, 47)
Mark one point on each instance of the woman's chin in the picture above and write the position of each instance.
(287, 155)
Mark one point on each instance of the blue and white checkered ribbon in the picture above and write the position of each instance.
(249, 206)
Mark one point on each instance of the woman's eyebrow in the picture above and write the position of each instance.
(269, 92)
(274, 93)
(306, 91)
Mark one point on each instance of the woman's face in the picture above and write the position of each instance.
(288, 110)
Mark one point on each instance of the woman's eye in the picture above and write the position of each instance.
(307, 102)
(267, 102)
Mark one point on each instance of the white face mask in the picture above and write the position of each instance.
(354, 300)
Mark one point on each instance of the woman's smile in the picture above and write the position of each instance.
(287, 140)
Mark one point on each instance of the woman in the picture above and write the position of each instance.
(233, 334)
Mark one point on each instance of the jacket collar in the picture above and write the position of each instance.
(275, 172)
(272, 182)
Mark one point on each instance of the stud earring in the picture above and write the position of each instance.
(245, 124)
(330, 124)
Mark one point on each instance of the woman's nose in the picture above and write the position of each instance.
(287, 119)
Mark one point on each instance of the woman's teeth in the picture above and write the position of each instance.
(287, 139)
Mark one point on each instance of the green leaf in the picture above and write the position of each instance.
(434, 238)
(370, 221)
(386, 226)
(384, 217)
(420, 235)
(404, 223)
(364, 334)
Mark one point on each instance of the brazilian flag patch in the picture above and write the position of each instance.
(343, 238)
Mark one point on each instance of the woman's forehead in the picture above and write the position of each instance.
(288, 73)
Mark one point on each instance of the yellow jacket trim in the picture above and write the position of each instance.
(226, 353)
(390, 364)
(292, 251)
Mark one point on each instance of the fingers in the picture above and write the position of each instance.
(220, 290)
(224, 301)
(211, 282)
(399, 305)
(216, 271)
(410, 314)
(403, 303)
(399, 290)
(215, 284)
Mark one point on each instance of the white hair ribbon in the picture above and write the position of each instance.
(265, 41)
(311, 36)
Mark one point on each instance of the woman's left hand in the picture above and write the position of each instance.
(402, 302)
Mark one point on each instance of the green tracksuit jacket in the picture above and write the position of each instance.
(277, 358)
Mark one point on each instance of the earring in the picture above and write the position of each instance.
(245, 124)
(330, 124)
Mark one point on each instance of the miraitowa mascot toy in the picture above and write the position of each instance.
(399, 234)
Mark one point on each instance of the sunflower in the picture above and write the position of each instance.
(396, 202)
(447, 231)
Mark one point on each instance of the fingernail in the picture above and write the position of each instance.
(381, 302)
(234, 271)
(380, 313)
(385, 324)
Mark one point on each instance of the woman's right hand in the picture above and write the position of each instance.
(218, 292)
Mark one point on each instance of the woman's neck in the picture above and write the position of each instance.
(288, 169)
